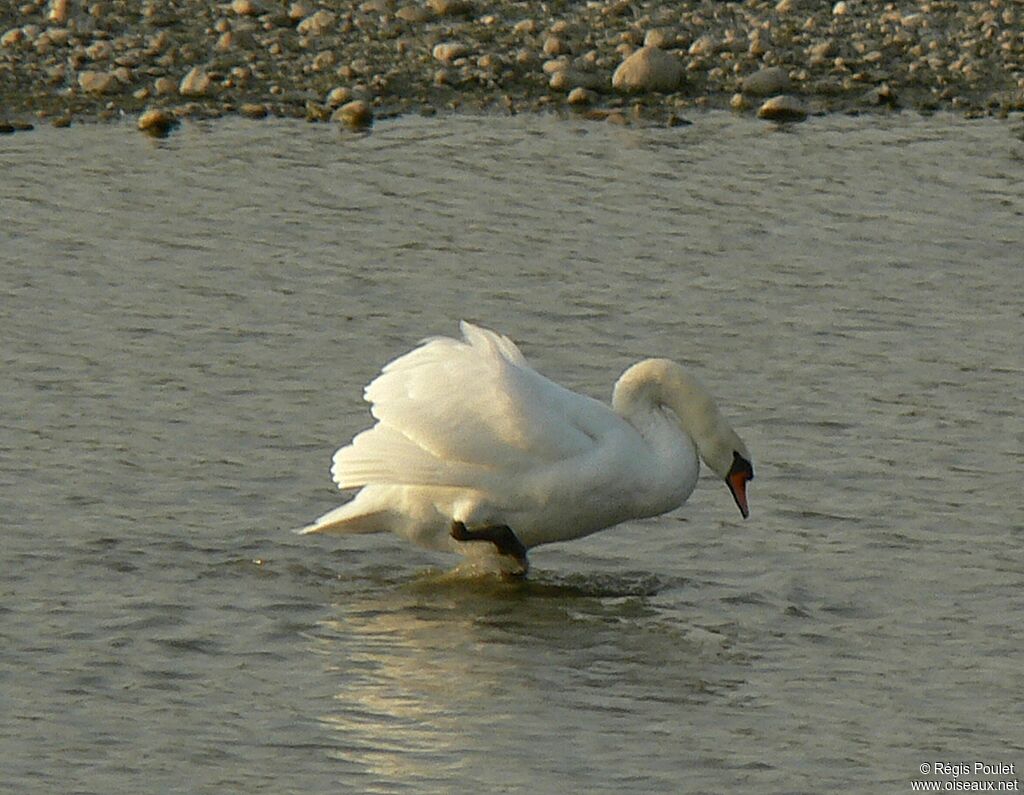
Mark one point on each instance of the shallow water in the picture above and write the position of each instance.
(186, 329)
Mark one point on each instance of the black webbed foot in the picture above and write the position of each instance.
(501, 535)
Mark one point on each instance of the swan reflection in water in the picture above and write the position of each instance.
(424, 670)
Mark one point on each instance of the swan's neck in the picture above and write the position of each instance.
(653, 385)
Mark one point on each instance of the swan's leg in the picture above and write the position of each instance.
(501, 535)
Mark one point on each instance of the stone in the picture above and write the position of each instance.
(766, 82)
(553, 45)
(662, 38)
(580, 96)
(323, 61)
(413, 14)
(356, 114)
(164, 86)
(59, 37)
(156, 44)
(555, 65)
(649, 69)
(617, 9)
(253, 110)
(820, 52)
(450, 8)
(12, 37)
(569, 79)
(316, 24)
(59, 11)
(157, 122)
(299, 11)
(757, 47)
(317, 112)
(448, 51)
(195, 84)
(782, 108)
(703, 46)
(880, 95)
(98, 82)
(338, 96)
(244, 8)
(99, 51)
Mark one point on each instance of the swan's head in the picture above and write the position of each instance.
(661, 383)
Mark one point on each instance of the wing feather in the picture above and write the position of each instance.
(452, 411)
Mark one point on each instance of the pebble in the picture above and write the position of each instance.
(703, 46)
(338, 96)
(581, 96)
(244, 8)
(98, 82)
(967, 57)
(12, 37)
(818, 53)
(413, 14)
(253, 110)
(738, 102)
(164, 86)
(553, 46)
(356, 114)
(197, 83)
(450, 8)
(782, 108)
(767, 82)
(9, 127)
(569, 79)
(58, 12)
(316, 24)
(157, 122)
(100, 51)
(880, 95)
(659, 37)
(299, 11)
(448, 51)
(649, 69)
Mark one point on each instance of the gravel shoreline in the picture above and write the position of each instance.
(64, 60)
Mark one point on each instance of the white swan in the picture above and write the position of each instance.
(476, 452)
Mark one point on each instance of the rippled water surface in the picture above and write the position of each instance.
(186, 329)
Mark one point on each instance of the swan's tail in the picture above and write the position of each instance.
(349, 518)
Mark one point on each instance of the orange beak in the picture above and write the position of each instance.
(740, 472)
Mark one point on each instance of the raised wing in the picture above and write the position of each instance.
(452, 411)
